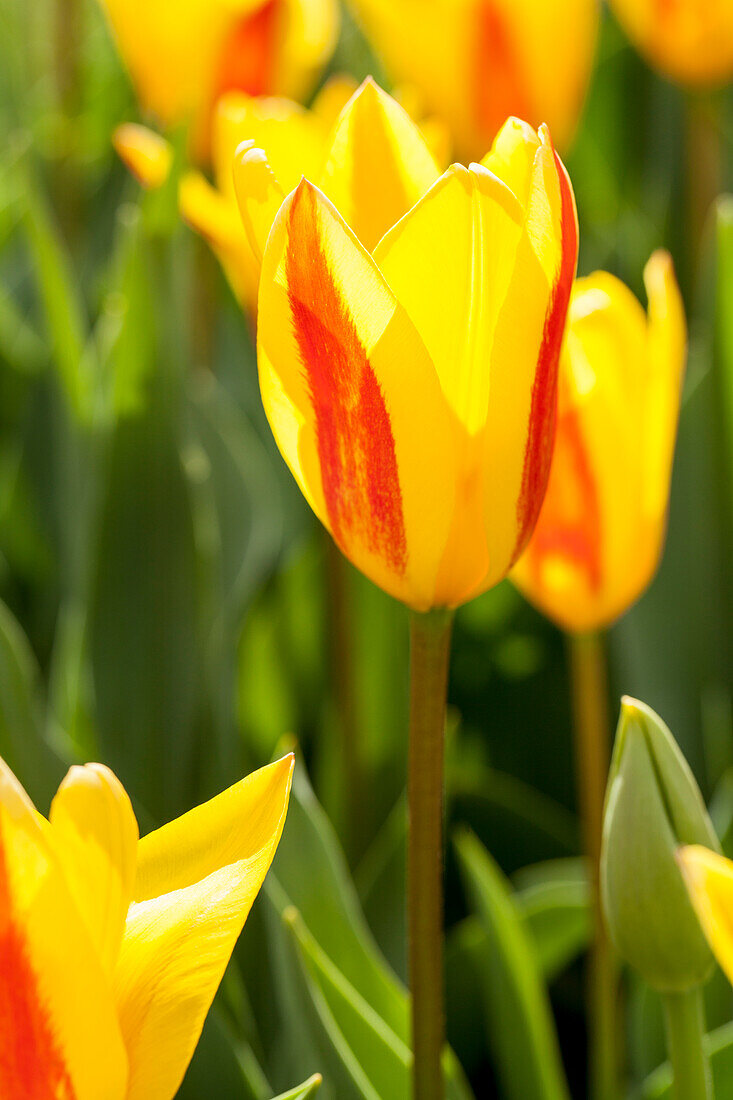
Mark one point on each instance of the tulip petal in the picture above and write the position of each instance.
(332, 98)
(216, 218)
(449, 262)
(709, 880)
(95, 834)
(378, 164)
(259, 195)
(599, 535)
(666, 354)
(311, 32)
(552, 229)
(59, 1035)
(293, 138)
(198, 877)
(340, 365)
(145, 154)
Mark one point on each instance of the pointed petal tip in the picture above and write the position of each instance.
(241, 153)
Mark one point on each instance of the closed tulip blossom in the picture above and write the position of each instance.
(690, 41)
(296, 140)
(478, 61)
(601, 529)
(409, 330)
(182, 57)
(112, 948)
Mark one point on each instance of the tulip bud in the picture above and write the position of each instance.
(653, 805)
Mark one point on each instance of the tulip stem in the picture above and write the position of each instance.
(684, 1019)
(429, 656)
(590, 713)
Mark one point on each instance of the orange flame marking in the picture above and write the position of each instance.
(570, 522)
(500, 90)
(356, 449)
(247, 59)
(541, 434)
(31, 1066)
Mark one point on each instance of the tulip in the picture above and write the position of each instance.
(709, 880)
(688, 40)
(408, 360)
(296, 140)
(653, 805)
(600, 533)
(111, 948)
(183, 57)
(478, 61)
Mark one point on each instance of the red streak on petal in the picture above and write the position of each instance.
(31, 1067)
(246, 63)
(541, 433)
(356, 449)
(569, 526)
(500, 90)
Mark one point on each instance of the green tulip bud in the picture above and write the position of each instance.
(653, 805)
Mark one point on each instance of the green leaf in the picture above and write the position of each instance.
(329, 963)
(719, 1044)
(218, 1066)
(144, 631)
(312, 875)
(23, 744)
(302, 1092)
(381, 879)
(382, 1057)
(63, 309)
(20, 344)
(553, 899)
(521, 1029)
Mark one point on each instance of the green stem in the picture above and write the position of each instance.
(685, 1030)
(590, 713)
(429, 655)
(705, 170)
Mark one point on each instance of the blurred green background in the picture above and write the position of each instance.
(165, 604)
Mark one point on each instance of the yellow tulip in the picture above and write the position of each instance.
(709, 880)
(182, 57)
(295, 139)
(600, 533)
(147, 155)
(687, 40)
(408, 338)
(111, 948)
(478, 61)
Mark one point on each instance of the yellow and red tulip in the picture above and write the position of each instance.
(688, 40)
(600, 533)
(476, 62)
(296, 140)
(182, 57)
(111, 948)
(408, 341)
(709, 879)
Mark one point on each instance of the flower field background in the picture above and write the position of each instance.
(169, 606)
